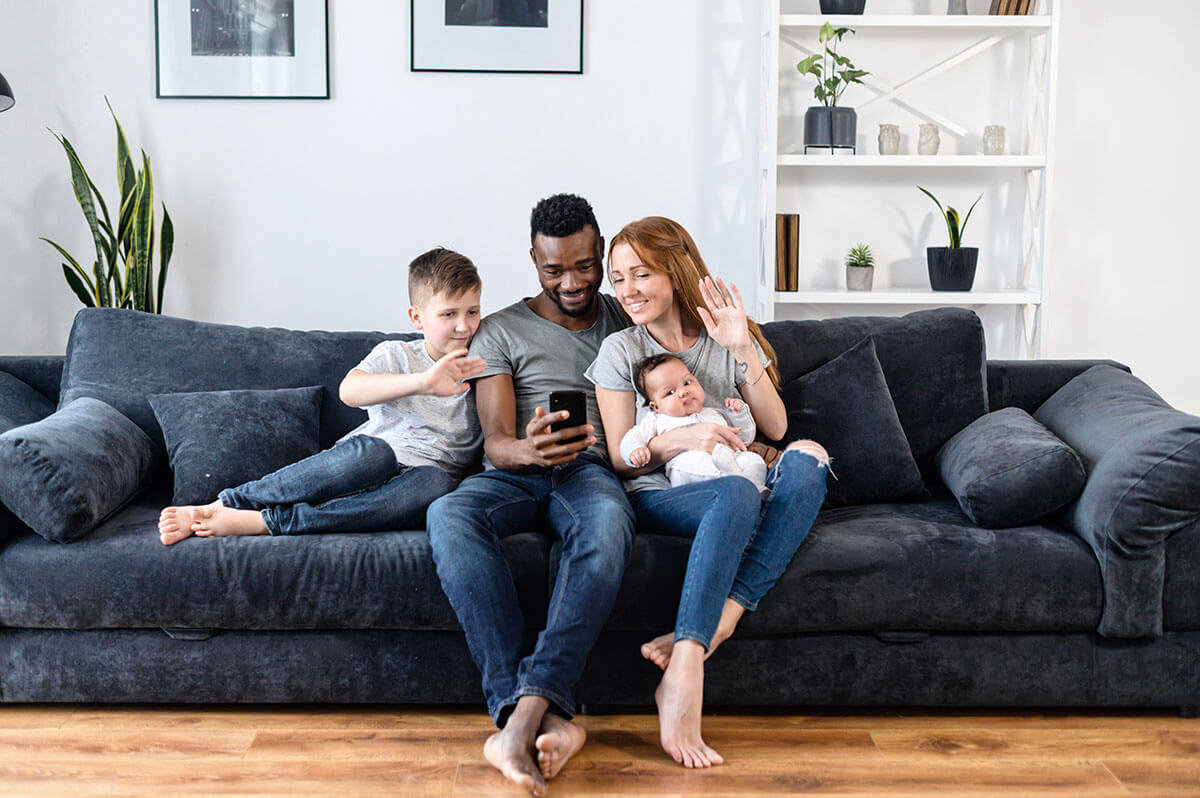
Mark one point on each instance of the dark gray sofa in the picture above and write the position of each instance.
(896, 604)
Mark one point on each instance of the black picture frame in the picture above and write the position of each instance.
(232, 50)
(553, 47)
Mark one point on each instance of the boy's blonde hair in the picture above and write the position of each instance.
(440, 271)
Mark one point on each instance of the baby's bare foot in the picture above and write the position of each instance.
(558, 741)
(659, 650)
(216, 520)
(175, 524)
(511, 756)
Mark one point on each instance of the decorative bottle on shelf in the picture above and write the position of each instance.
(929, 141)
(889, 139)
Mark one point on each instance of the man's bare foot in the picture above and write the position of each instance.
(659, 649)
(216, 520)
(175, 523)
(680, 699)
(510, 750)
(559, 740)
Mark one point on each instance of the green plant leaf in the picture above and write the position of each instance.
(810, 65)
(143, 238)
(81, 289)
(168, 246)
(952, 223)
(826, 33)
(963, 229)
(126, 176)
(84, 193)
(941, 210)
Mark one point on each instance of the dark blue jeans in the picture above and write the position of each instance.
(581, 503)
(353, 486)
(740, 545)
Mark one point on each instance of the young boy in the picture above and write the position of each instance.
(420, 436)
(676, 399)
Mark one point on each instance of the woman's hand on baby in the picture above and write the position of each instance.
(725, 315)
(734, 405)
(639, 457)
(703, 437)
(445, 377)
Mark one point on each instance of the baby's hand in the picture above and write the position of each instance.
(639, 456)
(734, 405)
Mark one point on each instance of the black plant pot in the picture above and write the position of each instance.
(830, 127)
(952, 269)
(842, 6)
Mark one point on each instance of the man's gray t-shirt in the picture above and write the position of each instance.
(714, 366)
(542, 356)
(440, 431)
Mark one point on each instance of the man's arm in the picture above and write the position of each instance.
(496, 403)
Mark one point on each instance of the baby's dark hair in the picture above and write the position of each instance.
(647, 365)
(560, 216)
(440, 271)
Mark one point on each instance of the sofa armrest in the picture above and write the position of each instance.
(1028, 383)
(1142, 458)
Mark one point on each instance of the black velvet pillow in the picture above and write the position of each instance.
(1007, 469)
(220, 439)
(20, 404)
(65, 474)
(845, 406)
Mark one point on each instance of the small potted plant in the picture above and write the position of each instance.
(952, 268)
(828, 124)
(843, 6)
(860, 268)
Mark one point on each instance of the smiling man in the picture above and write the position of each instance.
(535, 480)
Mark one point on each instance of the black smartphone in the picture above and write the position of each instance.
(575, 403)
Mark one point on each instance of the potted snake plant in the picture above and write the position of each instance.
(952, 268)
(829, 124)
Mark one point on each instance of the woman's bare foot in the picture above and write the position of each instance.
(559, 740)
(216, 521)
(510, 750)
(680, 699)
(659, 649)
(175, 523)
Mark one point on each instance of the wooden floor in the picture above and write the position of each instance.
(435, 751)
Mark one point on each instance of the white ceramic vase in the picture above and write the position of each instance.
(993, 140)
(929, 140)
(889, 139)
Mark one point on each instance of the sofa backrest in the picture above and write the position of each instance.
(934, 362)
(123, 356)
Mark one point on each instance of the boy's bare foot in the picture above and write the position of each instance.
(216, 520)
(659, 649)
(560, 739)
(680, 699)
(175, 524)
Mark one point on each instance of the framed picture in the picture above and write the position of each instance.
(497, 36)
(242, 49)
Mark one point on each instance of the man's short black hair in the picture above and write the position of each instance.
(560, 216)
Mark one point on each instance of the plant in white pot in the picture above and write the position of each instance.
(952, 268)
(860, 268)
(828, 124)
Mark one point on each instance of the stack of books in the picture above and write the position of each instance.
(787, 252)
(1011, 6)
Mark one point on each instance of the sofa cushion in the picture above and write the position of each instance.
(1006, 469)
(892, 567)
(20, 404)
(123, 356)
(1142, 458)
(65, 474)
(934, 362)
(221, 439)
(845, 405)
(122, 577)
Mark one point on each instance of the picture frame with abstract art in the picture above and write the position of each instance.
(242, 49)
(542, 36)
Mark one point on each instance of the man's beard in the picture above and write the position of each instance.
(580, 312)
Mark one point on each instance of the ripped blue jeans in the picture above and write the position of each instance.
(725, 516)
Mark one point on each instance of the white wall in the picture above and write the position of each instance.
(303, 213)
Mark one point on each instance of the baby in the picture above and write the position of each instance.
(676, 399)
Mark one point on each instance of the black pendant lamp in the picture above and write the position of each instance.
(6, 95)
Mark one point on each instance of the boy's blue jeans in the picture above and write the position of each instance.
(581, 503)
(353, 486)
(740, 545)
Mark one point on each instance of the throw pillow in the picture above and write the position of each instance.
(20, 404)
(1006, 469)
(845, 406)
(220, 439)
(65, 474)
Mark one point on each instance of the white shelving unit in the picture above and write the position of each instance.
(944, 44)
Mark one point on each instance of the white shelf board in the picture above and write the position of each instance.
(1035, 22)
(910, 296)
(894, 161)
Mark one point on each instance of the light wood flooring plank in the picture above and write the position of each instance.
(1025, 743)
(31, 745)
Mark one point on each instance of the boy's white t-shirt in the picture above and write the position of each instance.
(440, 431)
